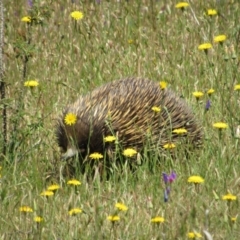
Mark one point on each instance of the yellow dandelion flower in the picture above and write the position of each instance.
(47, 193)
(53, 187)
(205, 46)
(156, 109)
(197, 95)
(220, 125)
(211, 12)
(109, 139)
(113, 218)
(198, 235)
(180, 131)
(121, 206)
(74, 182)
(195, 179)
(194, 235)
(169, 146)
(229, 197)
(74, 211)
(219, 38)
(234, 219)
(157, 220)
(70, 119)
(237, 87)
(210, 91)
(130, 41)
(31, 83)
(26, 19)
(163, 84)
(96, 156)
(38, 219)
(182, 5)
(129, 152)
(77, 15)
(25, 209)
(191, 235)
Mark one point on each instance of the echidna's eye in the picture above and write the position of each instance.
(82, 148)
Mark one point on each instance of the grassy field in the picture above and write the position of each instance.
(117, 39)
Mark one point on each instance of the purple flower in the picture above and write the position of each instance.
(165, 178)
(208, 105)
(169, 178)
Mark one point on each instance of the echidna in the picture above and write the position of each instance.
(124, 107)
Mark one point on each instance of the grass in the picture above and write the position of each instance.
(68, 58)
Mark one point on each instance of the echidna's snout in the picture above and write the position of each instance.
(71, 152)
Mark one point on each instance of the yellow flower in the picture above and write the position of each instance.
(157, 220)
(210, 91)
(53, 187)
(220, 38)
(74, 211)
(163, 84)
(234, 219)
(77, 15)
(31, 83)
(181, 5)
(198, 235)
(26, 19)
(194, 235)
(220, 125)
(211, 12)
(121, 207)
(169, 146)
(129, 152)
(38, 219)
(130, 41)
(156, 109)
(113, 218)
(109, 139)
(180, 131)
(47, 193)
(195, 179)
(197, 95)
(237, 87)
(74, 182)
(205, 46)
(191, 235)
(229, 197)
(25, 209)
(96, 156)
(70, 119)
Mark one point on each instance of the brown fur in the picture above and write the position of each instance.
(124, 107)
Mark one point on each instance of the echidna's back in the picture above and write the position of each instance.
(125, 107)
